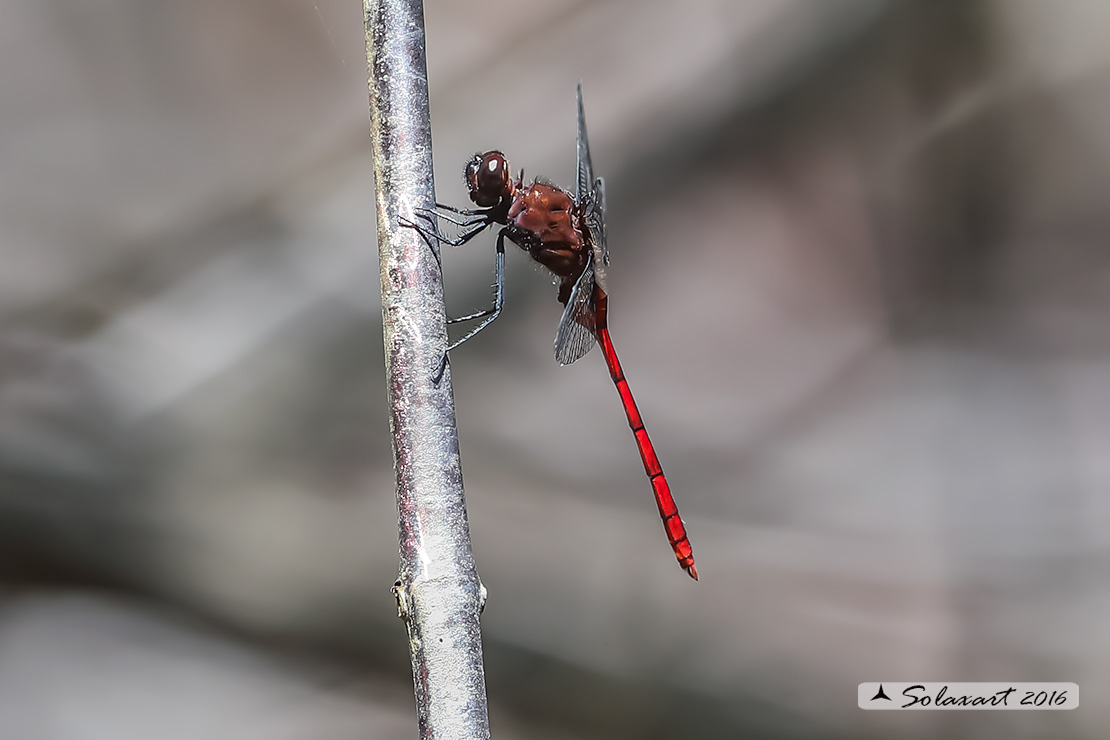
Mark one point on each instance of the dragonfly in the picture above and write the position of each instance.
(565, 233)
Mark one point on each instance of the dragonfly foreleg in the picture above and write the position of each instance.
(433, 232)
(469, 217)
(464, 211)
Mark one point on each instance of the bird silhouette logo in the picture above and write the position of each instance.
(881, 695)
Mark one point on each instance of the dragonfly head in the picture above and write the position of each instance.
(487, 177)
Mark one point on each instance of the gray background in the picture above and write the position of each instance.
(859, 286)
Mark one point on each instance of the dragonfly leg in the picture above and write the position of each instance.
(499, 271)
(470, 316)
(433, 231)
(498, 298)
(463, 211)
(469, 217)
(441, 369)
(465, 236)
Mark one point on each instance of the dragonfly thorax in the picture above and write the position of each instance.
(544, 221)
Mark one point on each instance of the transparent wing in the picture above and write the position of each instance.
(576, 328)
(599, 244)
(591, 196)
(585, 166)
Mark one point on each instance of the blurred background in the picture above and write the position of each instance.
(860, 286)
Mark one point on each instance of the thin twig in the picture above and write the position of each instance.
(438, 593)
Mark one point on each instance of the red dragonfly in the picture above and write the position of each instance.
(566, 234)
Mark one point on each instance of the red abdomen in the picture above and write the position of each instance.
(668, 509)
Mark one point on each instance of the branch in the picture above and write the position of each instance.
(438, 593)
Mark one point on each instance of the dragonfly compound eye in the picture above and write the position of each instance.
(487, 177)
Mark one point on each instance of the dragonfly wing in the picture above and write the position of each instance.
(591, 196)
(576, 328)
(599, 244)
(585, 166)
